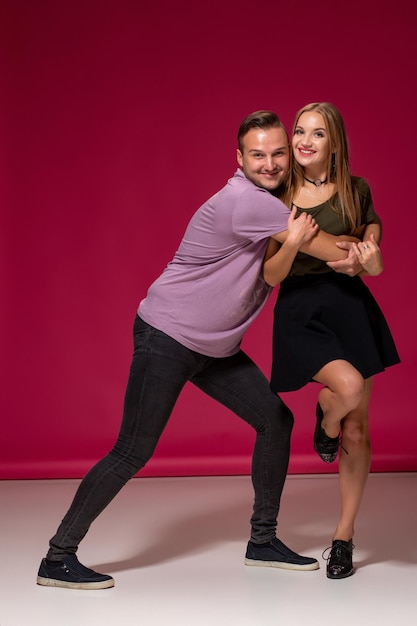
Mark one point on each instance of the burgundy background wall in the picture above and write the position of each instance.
(118, 120)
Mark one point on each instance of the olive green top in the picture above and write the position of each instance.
(330, 221)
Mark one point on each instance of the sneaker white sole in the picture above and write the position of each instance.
(282, 565)
(53, 582)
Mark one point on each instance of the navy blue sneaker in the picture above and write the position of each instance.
(70, 573)
(276, 554)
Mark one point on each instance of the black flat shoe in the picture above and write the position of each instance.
(339, 561)
(326, 447)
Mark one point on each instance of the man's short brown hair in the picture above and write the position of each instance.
(258, 119)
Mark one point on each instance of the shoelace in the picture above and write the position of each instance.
(337, 547)
(329, 444)
(340, 445)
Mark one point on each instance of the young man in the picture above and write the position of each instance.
(189, 328)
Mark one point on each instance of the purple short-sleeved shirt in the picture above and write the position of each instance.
(213, 289)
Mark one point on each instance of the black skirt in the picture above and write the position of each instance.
(320, 318)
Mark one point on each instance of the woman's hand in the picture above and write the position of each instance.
(300, 229)
(279, 257)
(369, 256)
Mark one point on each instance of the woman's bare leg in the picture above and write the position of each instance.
(342, 393)
(354, 466)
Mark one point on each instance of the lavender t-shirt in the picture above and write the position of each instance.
(213, 289)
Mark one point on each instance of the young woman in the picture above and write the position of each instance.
(327, 326)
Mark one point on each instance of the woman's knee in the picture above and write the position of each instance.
(350, 388)
(356, 431)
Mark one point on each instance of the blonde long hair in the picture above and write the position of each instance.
(338, 170)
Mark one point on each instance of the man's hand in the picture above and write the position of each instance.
(363, 257)
(351, 265)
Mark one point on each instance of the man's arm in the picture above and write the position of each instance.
(322, 245)
(371, 236)
(340, 252)
(278, 259)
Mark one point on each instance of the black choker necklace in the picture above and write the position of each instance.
(316, 181)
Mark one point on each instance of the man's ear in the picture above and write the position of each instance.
(239, 157)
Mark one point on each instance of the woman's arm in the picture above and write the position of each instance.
(319, 244)
(370, 258)
(373, 228)
(279, 257)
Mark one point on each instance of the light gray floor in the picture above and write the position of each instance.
(176, 547)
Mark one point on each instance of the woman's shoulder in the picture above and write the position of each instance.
(361, 185)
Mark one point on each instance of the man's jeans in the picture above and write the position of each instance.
(160, 368)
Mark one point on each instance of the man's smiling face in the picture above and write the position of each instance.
(264, 157)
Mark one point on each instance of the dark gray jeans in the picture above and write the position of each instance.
(160, 368)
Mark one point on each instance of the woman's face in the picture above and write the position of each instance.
(310, 142)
